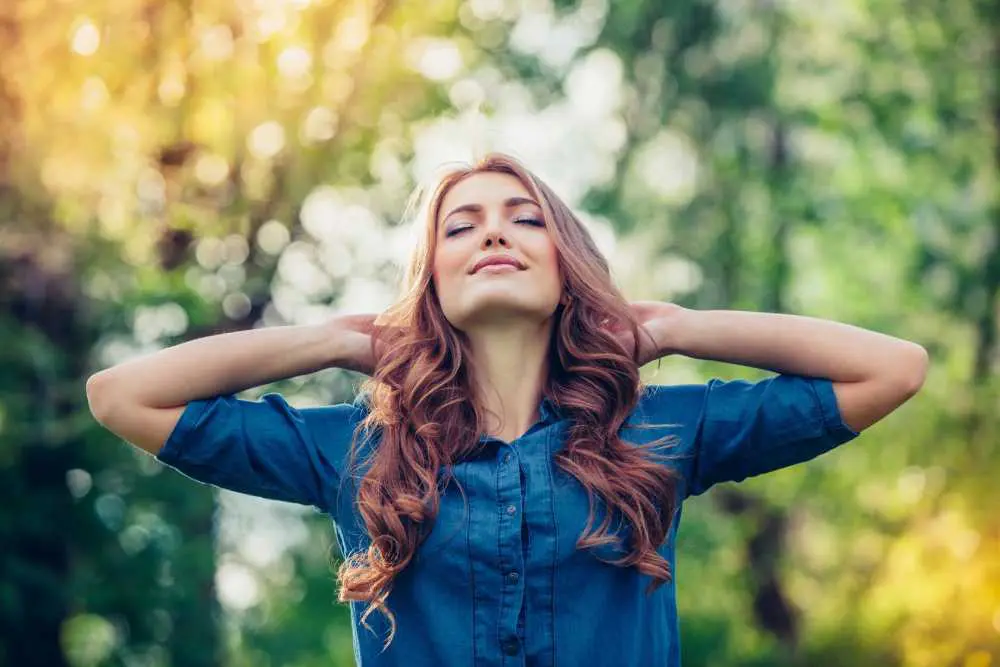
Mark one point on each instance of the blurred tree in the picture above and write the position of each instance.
(144, 150)
(170, 170)
(825, 160)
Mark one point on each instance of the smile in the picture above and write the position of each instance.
(498, 264)
(498, 268)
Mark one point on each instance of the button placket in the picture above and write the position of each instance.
(509, 498)
(511, 645)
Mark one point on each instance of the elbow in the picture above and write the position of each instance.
(98, 397)
(894, 383)
(912, 369)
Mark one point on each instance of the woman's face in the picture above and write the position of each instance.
(486, 217)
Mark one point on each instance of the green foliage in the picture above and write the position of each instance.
(170, 170)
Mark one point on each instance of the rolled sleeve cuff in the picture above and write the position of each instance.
(833, 421)
(172, 452)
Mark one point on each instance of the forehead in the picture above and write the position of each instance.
(485, 188)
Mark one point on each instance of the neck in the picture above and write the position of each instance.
(511, 365)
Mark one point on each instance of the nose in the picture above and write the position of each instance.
(495, 237)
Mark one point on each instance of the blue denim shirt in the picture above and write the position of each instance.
(499, 580)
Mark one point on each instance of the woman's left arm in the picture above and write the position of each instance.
(872, 373)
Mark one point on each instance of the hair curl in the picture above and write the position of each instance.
(419, 406)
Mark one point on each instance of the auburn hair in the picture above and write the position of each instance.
(419, 406)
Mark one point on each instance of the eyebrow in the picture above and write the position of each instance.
(477, 208)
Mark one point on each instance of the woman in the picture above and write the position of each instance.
(513, 491)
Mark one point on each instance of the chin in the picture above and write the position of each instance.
(502, 309)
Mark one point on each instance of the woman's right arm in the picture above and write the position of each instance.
(141, 400)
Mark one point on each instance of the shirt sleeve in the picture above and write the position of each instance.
(265, 448)
(750, 428)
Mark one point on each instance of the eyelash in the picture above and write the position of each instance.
(534, 222)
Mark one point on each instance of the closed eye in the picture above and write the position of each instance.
(455, 231)
(533, 222)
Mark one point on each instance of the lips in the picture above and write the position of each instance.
(498, 260)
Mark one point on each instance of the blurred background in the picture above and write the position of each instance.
(171, 169)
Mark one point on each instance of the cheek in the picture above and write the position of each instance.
(445, 267)
(551, 256)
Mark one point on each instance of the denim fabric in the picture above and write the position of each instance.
(499, 580)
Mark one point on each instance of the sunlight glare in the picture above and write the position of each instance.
(320, 125)
(466, 94)
(86, 39)
(266, 140)
(269, 23)
(211, 169)
(668, 166)
(320, 211)
(217, 43)
(299, 270)
(436, 59)
(364, 295)
(294, 62)
(237, 586)
(152, 323)
(594, 85)
(351, 35)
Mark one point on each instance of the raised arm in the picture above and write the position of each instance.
(872, 373)
(141, 400)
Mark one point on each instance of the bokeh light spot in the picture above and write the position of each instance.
(294, 62)
(79, 482)
(217, 43)
(93, 94)
(267, 139)
(211, 169)
(236, 306)
(272, 237)
(237, 586)
(436, 59)
(320, 125)
(86, 39)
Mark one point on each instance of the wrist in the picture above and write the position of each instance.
(334, 343)
(347, 342)
(324, 343)
(672, 333)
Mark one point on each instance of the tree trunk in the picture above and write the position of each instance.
(986, 323)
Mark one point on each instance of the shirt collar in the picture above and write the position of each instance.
(549, 410)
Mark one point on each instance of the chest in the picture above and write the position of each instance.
(512, 508)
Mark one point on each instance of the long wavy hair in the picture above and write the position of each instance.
(419, 406)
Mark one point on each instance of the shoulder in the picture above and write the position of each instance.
(667, 414)
(692, 400)
(264, 447)
(679, 403)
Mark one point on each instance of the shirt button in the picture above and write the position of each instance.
(512, 578)
(510, 646)
(511, 510)
(506, 459)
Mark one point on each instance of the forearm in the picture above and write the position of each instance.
(215, 365)
(792, 344)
